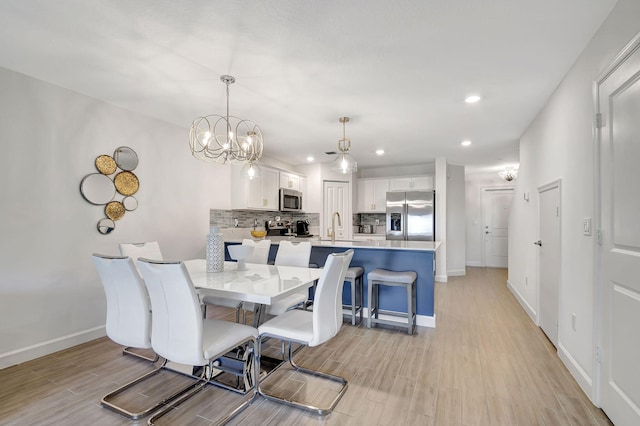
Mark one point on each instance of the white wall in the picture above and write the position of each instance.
(559, 144)
(456, 212)
(440, 186)
(50, 294)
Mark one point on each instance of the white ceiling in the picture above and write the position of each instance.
(400, 69)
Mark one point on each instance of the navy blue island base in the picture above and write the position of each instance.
(390, 258)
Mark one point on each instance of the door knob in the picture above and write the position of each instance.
(486, 232)
(538, 243)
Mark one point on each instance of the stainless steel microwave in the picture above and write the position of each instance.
(290, 200)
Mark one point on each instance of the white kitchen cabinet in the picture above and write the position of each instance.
(372, 195)
(411, 183)
(260, 193)
(289, 181)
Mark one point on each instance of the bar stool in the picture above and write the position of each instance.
(354, 278)
(406, 279)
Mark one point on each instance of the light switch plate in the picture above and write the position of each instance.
(586, 226)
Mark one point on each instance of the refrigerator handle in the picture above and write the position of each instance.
(405, 219)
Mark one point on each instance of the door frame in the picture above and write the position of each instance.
(557, 183)
(483, 191)
(598, 253)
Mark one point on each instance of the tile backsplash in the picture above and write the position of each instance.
(246, 218)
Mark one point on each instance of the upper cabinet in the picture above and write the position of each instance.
(260, 193)
(372, 195)
(263, 193)
(413, 183)
(289, 181)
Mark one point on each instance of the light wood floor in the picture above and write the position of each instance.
(486, 363)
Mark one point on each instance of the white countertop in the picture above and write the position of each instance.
(369, 244)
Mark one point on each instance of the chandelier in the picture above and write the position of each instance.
(226, 139)
(508, 174)
(344, 162)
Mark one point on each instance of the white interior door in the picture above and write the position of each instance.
(336, 199)
(496, 204)
(619, 104)
(549, 260)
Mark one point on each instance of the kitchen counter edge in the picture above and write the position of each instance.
(369, 244)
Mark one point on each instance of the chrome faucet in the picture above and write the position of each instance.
(333, 225)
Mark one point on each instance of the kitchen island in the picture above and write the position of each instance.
(418, 256)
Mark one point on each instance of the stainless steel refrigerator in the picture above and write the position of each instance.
(411, 216)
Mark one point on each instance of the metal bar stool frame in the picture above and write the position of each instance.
(373, 293)
(357, 292)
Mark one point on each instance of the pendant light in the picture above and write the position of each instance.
(344, 162)
(226, 139)
(508, 174)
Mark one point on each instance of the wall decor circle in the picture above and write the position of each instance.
(130, 203)
(114, 210)
(106, 164)
(126, 183)
(105, 226)
(102, 188)
(97, 188)
(126, 158)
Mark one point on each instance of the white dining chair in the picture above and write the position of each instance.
(148, 250)
(128, 321)
(260, 255)
(312, 328)
(181, 335)
(291, 254)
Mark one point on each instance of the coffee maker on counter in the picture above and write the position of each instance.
(302, 228)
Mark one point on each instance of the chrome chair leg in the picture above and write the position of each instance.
(322, 411)
(106, 400)
(250, 377)
(128, 351)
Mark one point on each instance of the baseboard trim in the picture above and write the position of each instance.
(28, 353)
(456, 273)
(578, 373)
(421, 320)
(475, 263)
(441, 278)
(525, 305)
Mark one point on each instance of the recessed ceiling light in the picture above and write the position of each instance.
(380, 151)
(309, 158)
(472, 99)
(465, 143)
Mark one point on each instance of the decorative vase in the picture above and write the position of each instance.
(215, 251)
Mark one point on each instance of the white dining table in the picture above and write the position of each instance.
(258, 284)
